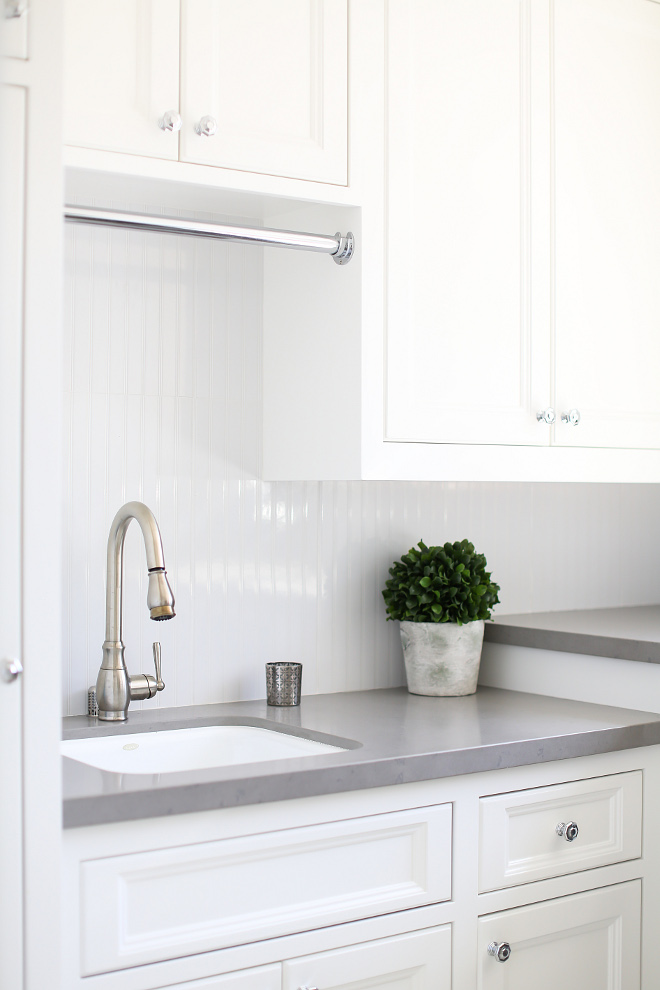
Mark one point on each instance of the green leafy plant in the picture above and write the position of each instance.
(440, 584)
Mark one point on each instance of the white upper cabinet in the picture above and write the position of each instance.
(606, 100)
(272, 79)
(121, 75)
(465, 362)
(262, 87)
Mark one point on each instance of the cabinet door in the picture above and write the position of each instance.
(418, 961)
(588, 941)
(607, 220)
(466, 362)
(273, 77)
(121, 74)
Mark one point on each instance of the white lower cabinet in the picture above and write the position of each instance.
(416, 961)
(586, 942)
(404, 887)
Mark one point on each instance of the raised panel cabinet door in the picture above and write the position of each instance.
(588, 941)
(607, 221)
(467, 334)
(121, 75)
(264, 86)
(417, 961)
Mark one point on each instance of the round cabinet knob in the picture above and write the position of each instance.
(170, 121)
(571, 418)
(546, 416)
(501, 951)
(567, 830)
(11, 670)
(206, 127)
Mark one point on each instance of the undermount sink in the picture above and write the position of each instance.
(195, 748)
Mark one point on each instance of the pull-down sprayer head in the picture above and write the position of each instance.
(160, 600)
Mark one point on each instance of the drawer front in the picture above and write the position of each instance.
(263, 978)
(418, 961)
(518, 840)
(150, 906)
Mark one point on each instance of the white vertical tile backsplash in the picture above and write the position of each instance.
(162, 403)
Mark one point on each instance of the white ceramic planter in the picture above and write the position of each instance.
(442, 658)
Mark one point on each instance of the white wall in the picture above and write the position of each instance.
(161, 394)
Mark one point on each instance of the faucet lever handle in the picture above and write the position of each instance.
(159, 680)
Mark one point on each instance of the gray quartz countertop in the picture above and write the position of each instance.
(393, 737)
(631, 633)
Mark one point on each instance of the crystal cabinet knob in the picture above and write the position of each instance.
(546, 416)
(170, 121)
(500, 950)
(571, 418)
(567, 830)
(11, 670)
(206, 127)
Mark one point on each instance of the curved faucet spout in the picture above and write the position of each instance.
(114, 686)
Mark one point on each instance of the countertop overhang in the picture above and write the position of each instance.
(402, 738)
(626, 633)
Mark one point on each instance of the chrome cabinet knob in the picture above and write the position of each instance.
(170, 121)
(11, 670)
(206, 127)
(567, 830)
(571, 418)
(15, 8)
(546, 416)
(500, 950)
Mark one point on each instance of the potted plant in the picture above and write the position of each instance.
(441, 597)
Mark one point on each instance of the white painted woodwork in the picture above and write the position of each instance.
(261, 978)
(195, 898)
(121, 74)
(13, 111)
(518, 841)
(14, 34)
(130, 839)
(606, 127)
(274, 78)
(588, 941)
(416, 961)
(30, 536)
(465, 359)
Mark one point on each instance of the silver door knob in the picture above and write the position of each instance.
(170, 121)
(501, 951)
(11, 670)
(571, 418)
(567, 830)
(546, 416)
(206, 127)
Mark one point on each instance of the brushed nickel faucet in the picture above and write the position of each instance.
(115, 687)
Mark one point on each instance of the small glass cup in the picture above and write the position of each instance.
(283, 683)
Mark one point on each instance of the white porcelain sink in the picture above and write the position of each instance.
(197, 748)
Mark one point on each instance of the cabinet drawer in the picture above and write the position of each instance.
(149, 906)
(518, 840)
(417, 961)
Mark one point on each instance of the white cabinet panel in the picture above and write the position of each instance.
(607, 220)
(14, 29)
(263, 978)
(518, 841)
(274, 79)
(585, 942)
(165, 903)
(418, 961)
(465, 362)
(121, 74)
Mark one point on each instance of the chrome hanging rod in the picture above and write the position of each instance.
(340, 247)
